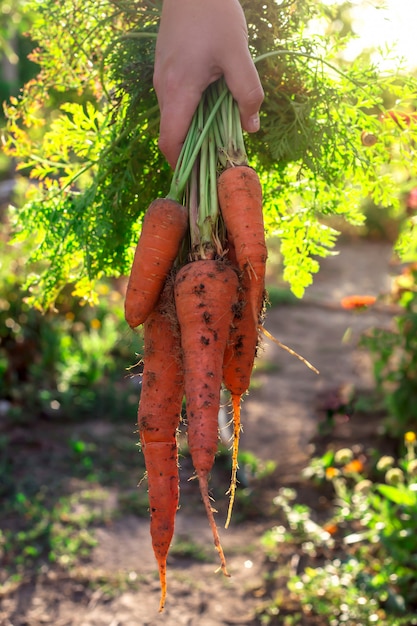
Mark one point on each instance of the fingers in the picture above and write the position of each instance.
(179, 90)
(243, 81)
(199, 41)
(176, 113)
(178, 107)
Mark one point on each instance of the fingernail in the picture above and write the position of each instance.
(254, 123)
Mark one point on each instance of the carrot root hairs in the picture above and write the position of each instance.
(236, 399)
(289, 350)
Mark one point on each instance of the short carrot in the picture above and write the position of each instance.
(205, 297)
(158, 420)
(237, 368)
(164, 227)
(241, 347)
(240, 201)
(238, 364)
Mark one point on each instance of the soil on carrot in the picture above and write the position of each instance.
(290, 415)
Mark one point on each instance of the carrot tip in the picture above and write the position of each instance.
(162, 579)
(205, 497)
(224, 570)
(236, 399)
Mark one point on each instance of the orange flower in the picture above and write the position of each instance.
(357, 302)
(354, 467)
(331, 528)
(331, 472)
(401, 118)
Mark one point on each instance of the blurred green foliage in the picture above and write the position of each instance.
(65, 363)
(359, 563)
(60, 371)
(394, 356)
(15, 48)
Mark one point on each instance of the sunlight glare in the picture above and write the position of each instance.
(393, 27)
(387, 25)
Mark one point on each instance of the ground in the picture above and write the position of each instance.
(281, 416)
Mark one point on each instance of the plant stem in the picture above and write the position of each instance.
(194, 141)
(214, 138)
(193, 206)
(232, 148)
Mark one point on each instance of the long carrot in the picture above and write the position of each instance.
(205, 297)
(158, 420)
(240, 200)
(164, 227)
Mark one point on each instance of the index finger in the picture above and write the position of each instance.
(176, 115)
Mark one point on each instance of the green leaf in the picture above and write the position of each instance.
(399, 495)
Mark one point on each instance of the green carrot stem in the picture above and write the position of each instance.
(218, 125)
(230, 119)
(214, 200)
(193, 206)
(194, 140)
(239, 142)
(204, 204)
(233, 151)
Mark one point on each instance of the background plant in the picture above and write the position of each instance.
(361, 559)
(394, 354)
(63, 364)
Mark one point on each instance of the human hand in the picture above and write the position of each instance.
(198, 42)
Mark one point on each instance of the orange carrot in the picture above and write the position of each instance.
(241, 347)
(158, 420)
(164, 227)
(238, 363)
(205, 297)
(240, 201)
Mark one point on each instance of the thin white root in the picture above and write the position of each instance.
(251, 270)
(287, 349)
(236, 398)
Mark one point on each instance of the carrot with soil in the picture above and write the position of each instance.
(206, 296)
(206, 293)
(238, 364)
(158, 419)
(219, 306)
(242, 345)
(163, 230)
(240, 201)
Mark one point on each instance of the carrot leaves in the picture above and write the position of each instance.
(84, 136)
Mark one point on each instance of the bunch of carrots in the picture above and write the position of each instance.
(197, 285)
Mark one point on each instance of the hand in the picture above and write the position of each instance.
(198, 42)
